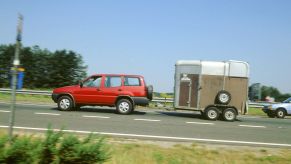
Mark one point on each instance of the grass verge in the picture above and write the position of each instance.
(26, 98)
(132, 153)
(256, 112)
(157, 152)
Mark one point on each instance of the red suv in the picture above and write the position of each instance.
(122, 91)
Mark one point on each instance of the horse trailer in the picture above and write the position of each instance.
(212, 87)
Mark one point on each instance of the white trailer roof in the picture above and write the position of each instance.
(224, 68)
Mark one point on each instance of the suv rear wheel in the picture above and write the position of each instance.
(124, 106)
(65, 103)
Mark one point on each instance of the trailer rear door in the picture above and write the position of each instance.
(188, 90)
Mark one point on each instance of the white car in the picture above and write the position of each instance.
(279, 110)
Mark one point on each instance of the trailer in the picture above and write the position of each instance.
(215, 88)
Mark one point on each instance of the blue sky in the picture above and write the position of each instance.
(147, 37)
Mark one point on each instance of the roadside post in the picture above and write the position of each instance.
(16, 63)
(20, 77)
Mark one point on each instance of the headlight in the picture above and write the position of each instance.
(272, 108)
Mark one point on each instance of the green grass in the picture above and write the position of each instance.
(256, 112)
(26, 98)
(131, 153)
(144, 152)
(125, 151)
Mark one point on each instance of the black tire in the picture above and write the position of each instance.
(271, 115)
(280, 113)
(229, 114)
(124, 106)
(65, 103)
(211, 113)
(223, 97)
(150, 90)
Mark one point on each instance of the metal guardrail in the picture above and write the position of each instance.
(29, 92)
(163, 101)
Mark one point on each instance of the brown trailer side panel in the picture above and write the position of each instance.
(210, 86)
(238, 88)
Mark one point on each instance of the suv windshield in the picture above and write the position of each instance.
(93, 81)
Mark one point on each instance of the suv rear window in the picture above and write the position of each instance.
(131, 81)
(113, 81)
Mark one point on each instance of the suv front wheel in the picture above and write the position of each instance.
(65, 103)
(124, 106)
(280, 113)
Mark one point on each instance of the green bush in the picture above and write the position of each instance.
(48, 150)
(20, 150)
(54, 148)
(73, 150)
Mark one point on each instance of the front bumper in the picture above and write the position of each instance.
(55, 97)
(268, 110)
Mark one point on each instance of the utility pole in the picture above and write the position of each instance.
(16, 63)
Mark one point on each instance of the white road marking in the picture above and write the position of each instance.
(94, 116)
(137, 119)
(28, 104)
(5, 111)
(200, 123)
(252, 126)
(156, 137)
(51, 114)
(248, 117)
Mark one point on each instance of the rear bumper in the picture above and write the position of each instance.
(142, 101)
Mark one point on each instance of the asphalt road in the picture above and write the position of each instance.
(153, 124)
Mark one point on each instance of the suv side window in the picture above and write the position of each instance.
(131, 81)
(94, 81)
(112, 81)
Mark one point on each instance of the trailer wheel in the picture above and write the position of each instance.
(211, 113)
(229, 114)
(223, 97)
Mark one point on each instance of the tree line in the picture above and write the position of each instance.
(273, 92)
(43, 68)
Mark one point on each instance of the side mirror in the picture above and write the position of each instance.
(81, 84)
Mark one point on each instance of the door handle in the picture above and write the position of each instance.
(98, 89)
(119, 89)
